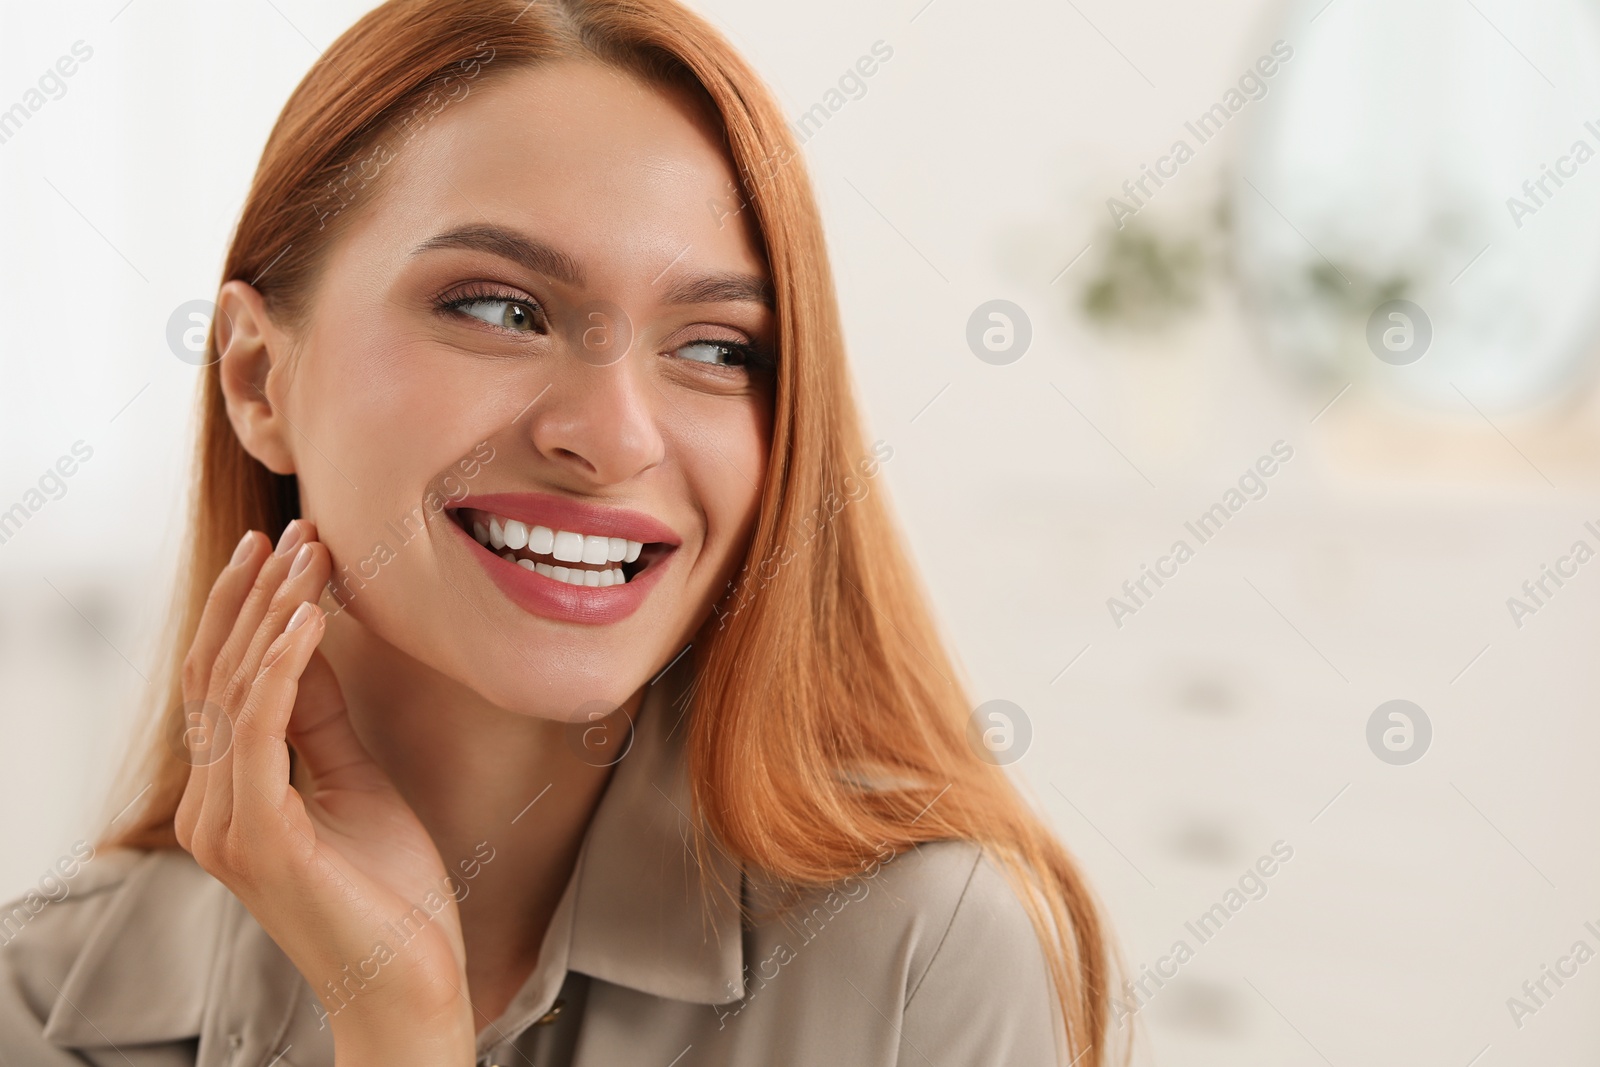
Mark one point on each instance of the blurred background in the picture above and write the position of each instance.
(1099, 262)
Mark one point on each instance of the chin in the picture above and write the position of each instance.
(564, 694)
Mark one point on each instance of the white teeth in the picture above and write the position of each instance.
(577, 575)
(568, 546)
(508, 536)
(573, 575)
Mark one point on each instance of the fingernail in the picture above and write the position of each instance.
(302, 560)
(291, 537)
(241, 553)
(301, 614)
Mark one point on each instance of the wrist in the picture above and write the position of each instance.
(400, 1037)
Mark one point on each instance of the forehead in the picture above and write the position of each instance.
(583, 156)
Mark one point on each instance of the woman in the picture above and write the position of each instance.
(551, 685)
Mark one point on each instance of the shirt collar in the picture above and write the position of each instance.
(647, 914)
(639, 911)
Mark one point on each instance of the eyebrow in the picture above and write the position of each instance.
(727, 287)
(508, 244)
(720, 287)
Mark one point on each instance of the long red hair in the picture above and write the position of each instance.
(824, 664)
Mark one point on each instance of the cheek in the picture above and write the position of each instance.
(722, 448)
(726, 460)
(384, 425)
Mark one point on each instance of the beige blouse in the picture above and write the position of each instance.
(925, 958)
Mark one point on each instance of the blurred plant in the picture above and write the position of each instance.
(1146, 280)
(1326, 310)
(1155, 273)
(1152, 273)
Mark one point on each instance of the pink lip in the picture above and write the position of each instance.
(552, 598)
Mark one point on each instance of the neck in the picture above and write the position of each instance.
(500, 793)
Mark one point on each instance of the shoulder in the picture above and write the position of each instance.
(935, 938)
(922, 897)
(966, 909)
(72, 947)
(940, 889)
(981, 991)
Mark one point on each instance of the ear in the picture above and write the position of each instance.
(250, 367)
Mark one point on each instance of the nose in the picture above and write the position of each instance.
(599, 422)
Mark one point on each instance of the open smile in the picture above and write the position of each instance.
(565, 560)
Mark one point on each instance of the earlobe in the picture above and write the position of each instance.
(248, 348)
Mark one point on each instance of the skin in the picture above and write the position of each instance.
(431, 709)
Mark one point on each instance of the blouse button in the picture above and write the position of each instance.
(550, 1016)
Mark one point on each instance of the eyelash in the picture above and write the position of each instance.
(480, 293)
(752, 357)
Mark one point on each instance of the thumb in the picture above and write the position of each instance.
(321, 733)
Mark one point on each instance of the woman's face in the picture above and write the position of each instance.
(550, 324)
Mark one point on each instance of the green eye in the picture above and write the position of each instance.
(507, 314)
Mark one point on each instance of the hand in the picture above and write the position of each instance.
(332, 874)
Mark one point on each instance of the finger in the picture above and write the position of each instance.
(260, 750)
(222, 606)
(257, 726)
(309, 569)
(230, 674)
(320, 731)
(264, 609)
